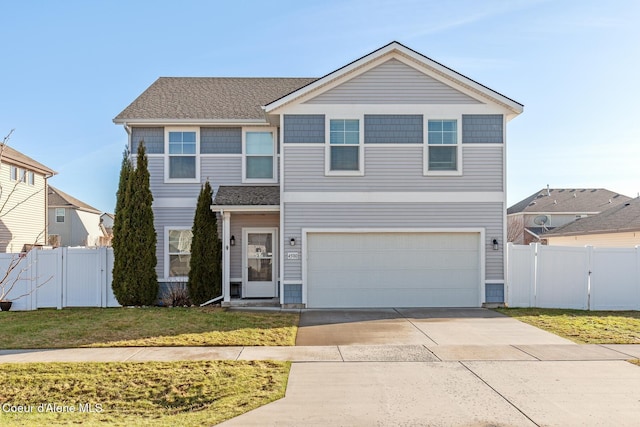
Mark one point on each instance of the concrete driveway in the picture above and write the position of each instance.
(417, 326)
(448, 367)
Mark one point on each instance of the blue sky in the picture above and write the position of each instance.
(69, 67)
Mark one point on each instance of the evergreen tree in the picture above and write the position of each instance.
(134, 277)
(119, 242)
(205, 278)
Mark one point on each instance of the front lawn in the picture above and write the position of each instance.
(146, 327)
(583, 327)
(153, 393)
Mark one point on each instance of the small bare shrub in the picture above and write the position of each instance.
(176, 295)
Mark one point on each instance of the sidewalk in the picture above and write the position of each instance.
(337, 353)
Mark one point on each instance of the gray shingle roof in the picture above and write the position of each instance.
(247, 195)
(209, 98)
(60, 199)
(569, 200)
(14, 157)
(621, 218)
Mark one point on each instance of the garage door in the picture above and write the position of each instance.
(393, 270)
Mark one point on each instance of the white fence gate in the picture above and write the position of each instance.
(62, 277)
(585, 278)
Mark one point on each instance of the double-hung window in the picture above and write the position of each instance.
(443, 150)
(179, 252)
(182, 159)
(259, 156)
(31, 178)
(344, 150)
(13, 173)
(60, 214)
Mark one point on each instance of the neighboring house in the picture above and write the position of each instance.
(23, 201)
(381, 184)
(106, 219)
(618, 226)
(72, 222)
(549, 208)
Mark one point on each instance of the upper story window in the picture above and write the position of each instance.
(259, 156)
(18, 174)
(31, 178)
(442, 151)
(59, 214)
(182, 163)
(344, 152)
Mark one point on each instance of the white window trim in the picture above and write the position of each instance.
(425, 153)
(166, 155)
(64, 215)
(165, 250)
(274, 172)
(327, 145)
(14, 173)
(31, 178)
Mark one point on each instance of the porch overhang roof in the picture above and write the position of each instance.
(247, 198)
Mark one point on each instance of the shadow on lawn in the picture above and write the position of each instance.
(148, 326)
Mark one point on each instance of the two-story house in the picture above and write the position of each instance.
(381, 184)
(23, 201)
(72, 222)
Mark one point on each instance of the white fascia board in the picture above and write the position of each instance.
(249, 208)
(403, 54)
(392, 197)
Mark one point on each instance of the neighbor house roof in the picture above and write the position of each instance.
(180, 99)
(617, 219)
(565, 200)
(247, 195)
(14, 157)
(60, 199)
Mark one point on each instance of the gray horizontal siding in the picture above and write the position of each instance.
(153, 138)
(482, 128)
(221, 140)
(219, 171)
(303, 128)
(175, 217)
(393, 129)
(393, 82)
(386, 215)
(393, 169)
(238, 221)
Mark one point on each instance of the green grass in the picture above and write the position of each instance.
(146, 327)
(153, 394)
(583, 327)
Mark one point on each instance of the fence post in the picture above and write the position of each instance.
(533, 290)
(102, 262)
(589, 271)
(63, 275)
(637, 302)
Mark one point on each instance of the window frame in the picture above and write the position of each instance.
(167, 253)
(58, 216)
(245, 156)
(167, 155)
(327, 149)
(457, 145)
(31, 178)
(14, 173)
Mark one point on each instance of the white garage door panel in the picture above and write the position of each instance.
(393, 269)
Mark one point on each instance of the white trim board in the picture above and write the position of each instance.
(392, 197)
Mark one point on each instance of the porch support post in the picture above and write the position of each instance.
(226, 258)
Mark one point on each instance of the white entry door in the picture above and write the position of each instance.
(259, 262)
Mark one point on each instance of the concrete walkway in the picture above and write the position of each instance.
(420, 367)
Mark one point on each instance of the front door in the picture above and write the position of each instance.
(259, 272)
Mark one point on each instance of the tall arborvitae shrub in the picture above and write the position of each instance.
(142, 280)
(134, 277)
(119, 242)
(205, 273)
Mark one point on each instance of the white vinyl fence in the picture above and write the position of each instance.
(62, 277)
(585, 278)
